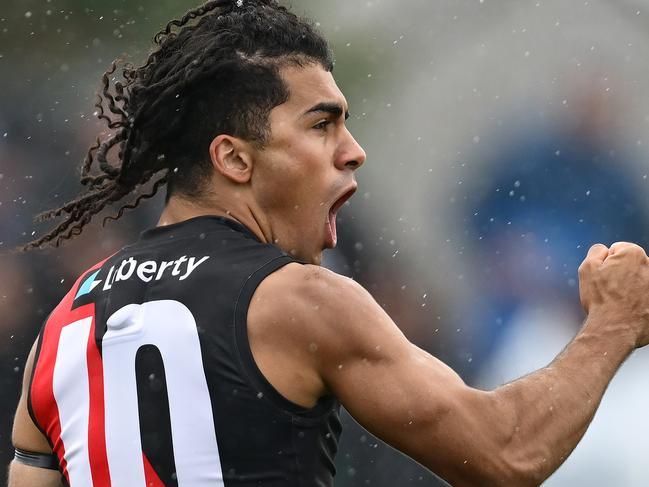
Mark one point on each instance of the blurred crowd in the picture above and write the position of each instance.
(532, 202)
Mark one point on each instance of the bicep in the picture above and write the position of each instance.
(405, 396)
(397, 391)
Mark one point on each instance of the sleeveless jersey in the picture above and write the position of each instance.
(144, 375)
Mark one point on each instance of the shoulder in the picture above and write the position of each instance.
(312, 281)
(304, 322)
(319, 308)
(300, 288)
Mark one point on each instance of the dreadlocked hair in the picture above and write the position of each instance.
(214, 71)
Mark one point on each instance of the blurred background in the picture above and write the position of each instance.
(503, 139)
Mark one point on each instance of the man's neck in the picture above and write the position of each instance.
(179, 209)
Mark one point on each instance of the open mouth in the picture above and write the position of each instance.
(331, 219)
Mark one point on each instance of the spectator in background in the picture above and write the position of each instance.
(552, 192)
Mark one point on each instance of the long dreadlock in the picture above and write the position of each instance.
(213, 71)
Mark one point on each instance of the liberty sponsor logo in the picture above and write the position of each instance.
(151, 270)
(146, 271)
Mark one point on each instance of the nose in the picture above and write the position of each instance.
(352, 156)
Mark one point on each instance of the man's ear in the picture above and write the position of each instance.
(231, 157)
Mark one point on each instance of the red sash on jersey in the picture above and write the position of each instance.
(42, 399)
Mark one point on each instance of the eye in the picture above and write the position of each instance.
(322, 125)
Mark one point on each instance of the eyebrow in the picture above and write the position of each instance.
(328, 107)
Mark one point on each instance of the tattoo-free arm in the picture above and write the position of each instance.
(336, 339)
(28, 437)
(516, 435)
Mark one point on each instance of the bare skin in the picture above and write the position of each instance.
(315, 333)
(27, 436)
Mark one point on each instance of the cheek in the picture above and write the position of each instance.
(283, 183)
(294, 172)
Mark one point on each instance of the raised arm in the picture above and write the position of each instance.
(27, 437)
(516, 435)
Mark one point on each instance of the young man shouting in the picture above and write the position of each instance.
(214, 351)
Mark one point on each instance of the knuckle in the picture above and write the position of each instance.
(619, 247)
(596, 248)
(631, 249)
(636, 248)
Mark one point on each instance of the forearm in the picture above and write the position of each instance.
(546, 413)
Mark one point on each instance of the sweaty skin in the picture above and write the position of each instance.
(313, 332)
(516, 435)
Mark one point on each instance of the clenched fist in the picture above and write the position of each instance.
(614, 287)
